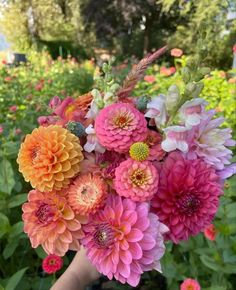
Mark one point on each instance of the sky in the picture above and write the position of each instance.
(3, 43)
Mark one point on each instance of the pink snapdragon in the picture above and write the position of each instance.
(192, 112)
(176, 138)
(157, 110)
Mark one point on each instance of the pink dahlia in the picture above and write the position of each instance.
(209, 142)
(136, 180)
(52, 263)
(190, 284)
(124, 239)
(49, 221)
(188, 196)
(118, 126)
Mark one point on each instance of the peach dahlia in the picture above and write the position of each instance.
(49, 221)
(49, 157)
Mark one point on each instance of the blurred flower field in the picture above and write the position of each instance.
(25, 92)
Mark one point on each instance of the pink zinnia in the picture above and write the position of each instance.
(176, 52)
(136, 180)
(210, 232)
(123, 240)
(52, 263)
(150, 79)
(1, 129)
(190, 284)
(118, 126)
(153, 140)
(13, 108)
(187, 197)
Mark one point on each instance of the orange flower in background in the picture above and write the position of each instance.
(87, 193)
(210, 232)
(49, 157)
(49, 221)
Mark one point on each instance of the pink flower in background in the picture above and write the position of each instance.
(54, 102)
(190, 284)
(123, 240)
(1, 129)
(210, 232)
(156, 109)
(234, 48)
(52, 263)
(209, 142)
(8, 79)
(176, 52)
(47, 120)
(136, 180)
(118, 126)
(192, 112)
(176, 138)
(188, 196)
(13, 108)
(167, 71)
(92, 143)
(150, 79)
(18, 131)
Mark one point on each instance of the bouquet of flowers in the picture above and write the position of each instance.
(122, 175)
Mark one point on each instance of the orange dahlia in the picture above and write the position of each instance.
(49, 157)
(49, 221)
(87, 193)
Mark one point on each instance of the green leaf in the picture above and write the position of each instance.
(1, 287)
(16, 229)
(17, 200)
(7, 181)
(40, 252)
(10, 248)
(216, 288)
(231, 210)
(210, 263)
(11, 149)
(4, 224)
(15, 279)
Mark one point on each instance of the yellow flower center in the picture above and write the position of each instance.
(139, 151)
(139, 177)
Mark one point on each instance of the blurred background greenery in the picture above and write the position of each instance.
(65, 42)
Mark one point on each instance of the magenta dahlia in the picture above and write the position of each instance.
(136, 180)
(118, 126)
(124, 239)
(187, 197)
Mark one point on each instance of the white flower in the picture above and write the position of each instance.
(92, 141)
(175, 139)
(93, 111)
(157, 110)
(192, 112)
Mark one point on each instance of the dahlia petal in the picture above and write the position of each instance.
(136, 250)
(126, 257)
(134, 235)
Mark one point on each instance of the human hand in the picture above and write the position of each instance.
(78, 275)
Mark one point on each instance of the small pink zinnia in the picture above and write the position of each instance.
(136, 180)
(118, 126)
(124, 239)
(190, 284)
(188, 196)
(52, 263)
(150, 79)
(13, 108)
(1, 129)
(176, 52)
(210, 232)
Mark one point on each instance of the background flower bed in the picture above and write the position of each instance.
(24, 95)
